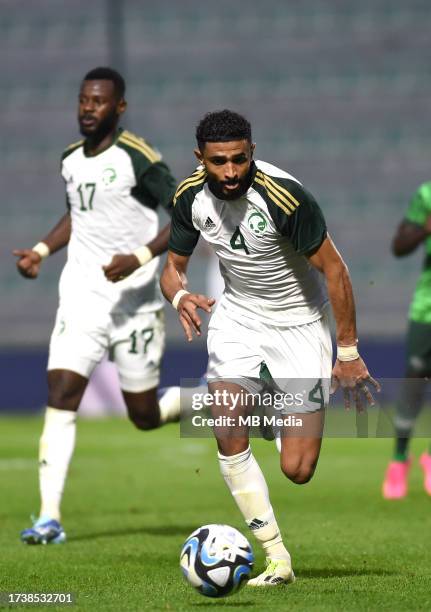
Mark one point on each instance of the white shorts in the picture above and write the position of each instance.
(299, 358)
(134, 341)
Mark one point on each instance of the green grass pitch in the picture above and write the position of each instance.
(133, 497)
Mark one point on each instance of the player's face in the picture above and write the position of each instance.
(228, 167)
(99, 108)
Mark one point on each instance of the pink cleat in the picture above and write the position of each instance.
(395, 483)
(425, 462)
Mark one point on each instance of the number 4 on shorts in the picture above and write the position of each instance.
(316, 394)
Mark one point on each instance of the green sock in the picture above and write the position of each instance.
(400, 457)
(401, 445)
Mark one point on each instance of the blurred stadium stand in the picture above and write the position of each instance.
(338, 93)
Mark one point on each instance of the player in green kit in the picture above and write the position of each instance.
(414, 230)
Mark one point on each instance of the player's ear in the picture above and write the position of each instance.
(199, 155)
(252, 148)
(121, 106)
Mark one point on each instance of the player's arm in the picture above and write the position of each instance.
(409, 236)
(306, 229)
(416, 226)
(173, 283)
(29, 260)
(350, 370)
(121, 266)
(155, 187)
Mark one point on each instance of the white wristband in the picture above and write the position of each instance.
(143, 254)
(179, 294)
(347, 353)
(42, 249)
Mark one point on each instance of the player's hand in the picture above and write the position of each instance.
(354, 379)
(187, 312)
(28, 263)
(121, 266)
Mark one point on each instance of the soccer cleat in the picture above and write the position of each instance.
(278, 571)
(44, 531)
(425, 462)
(395, 483)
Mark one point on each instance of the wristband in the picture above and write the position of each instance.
(179, 294)
(42, 249)
(347, 353)
(143, 254)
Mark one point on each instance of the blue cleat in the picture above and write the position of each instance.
(44, 531)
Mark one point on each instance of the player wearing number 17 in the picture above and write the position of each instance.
(270, 326)
(114, 183)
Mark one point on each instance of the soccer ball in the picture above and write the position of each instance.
(216, 560)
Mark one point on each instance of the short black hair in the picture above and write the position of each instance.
(103, 73)
(222, 126)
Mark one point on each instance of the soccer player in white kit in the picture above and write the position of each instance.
(114, 183)
(270, 324)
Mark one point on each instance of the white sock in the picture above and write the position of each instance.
(169, 405)
(55, 452)
(247, 484)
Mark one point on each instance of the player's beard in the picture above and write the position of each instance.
(101, 129)
(216, 187)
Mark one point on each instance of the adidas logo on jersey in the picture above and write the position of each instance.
(257, 524)
(209, 223)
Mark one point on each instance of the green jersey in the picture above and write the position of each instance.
(418, 212)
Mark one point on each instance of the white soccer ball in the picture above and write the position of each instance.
(216, 560)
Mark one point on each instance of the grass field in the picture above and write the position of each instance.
(132, 498)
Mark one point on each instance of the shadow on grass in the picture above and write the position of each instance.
(166, 530)
(340, 572)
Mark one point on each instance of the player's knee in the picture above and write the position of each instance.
(64, 398)
(65, 389)
(298, 471)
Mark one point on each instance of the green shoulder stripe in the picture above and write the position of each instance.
(139, 159)
(192, 185)
(71, 148)
(279, 190)
(184, 236)
(294, 211)
(139, 144)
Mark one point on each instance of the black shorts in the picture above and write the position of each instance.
(419, 349)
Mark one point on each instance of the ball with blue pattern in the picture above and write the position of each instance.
(216, 560)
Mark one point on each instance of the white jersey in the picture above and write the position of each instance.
(112, 199)
(261, 240)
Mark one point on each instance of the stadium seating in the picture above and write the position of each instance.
(337, 92)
